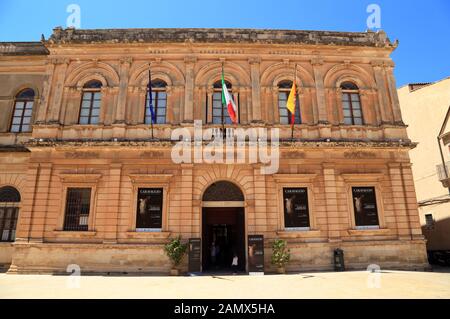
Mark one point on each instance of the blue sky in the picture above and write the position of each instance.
(422, 27)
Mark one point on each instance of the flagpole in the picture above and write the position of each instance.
(223, 122)
(295, 105)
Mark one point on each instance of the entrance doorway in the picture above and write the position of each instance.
(223, 236)
(223, 228)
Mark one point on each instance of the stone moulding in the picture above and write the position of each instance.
(192, 35)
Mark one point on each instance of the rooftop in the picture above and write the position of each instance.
(265, 36)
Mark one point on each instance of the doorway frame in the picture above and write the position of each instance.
(227, 204)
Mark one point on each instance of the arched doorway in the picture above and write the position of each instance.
(223, 227)
(9, 213)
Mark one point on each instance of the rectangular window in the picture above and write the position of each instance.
(429, 220)
(8, 221)
(78, 204)
(149, 209)
(296, 209)
(365, 207)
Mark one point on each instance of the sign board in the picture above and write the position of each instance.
(256, 254)
(194, 254)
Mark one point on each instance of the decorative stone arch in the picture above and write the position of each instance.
(234, 73)
(364, 81)
(275, 73)
(350, 78)
(165, 71)
(215, 173)
(10, 194)
(223, 190)
(16, 90)
(12, 101)
(92, 77)
(357, 73)
(106, 71)
(13, 180)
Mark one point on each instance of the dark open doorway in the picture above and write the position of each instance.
(223, 236)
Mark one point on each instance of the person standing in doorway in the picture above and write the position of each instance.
(213, 253)
(235, 263)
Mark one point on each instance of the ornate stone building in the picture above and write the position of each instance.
(82, 181)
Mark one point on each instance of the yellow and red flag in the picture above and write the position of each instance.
(291, 102)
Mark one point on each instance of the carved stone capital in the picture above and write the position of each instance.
(126, 60)
(190, 60)
(317, 61)
(254, 60)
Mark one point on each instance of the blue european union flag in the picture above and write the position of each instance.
(150, 97)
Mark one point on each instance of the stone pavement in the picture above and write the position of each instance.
(354, 284)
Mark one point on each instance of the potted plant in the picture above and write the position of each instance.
(280, 255)
(175, 250)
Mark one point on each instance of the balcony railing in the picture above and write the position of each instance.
(443, 177)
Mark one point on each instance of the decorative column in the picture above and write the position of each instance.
(210, 92)
(332, 110)
(169, 105)
(412, 208)
(189, 90)
(317, 64)
(256, 89)
(186, 187)
(46, 91)
(113, 186)
(398, 198)
(71, 106)
(120, 111)
(339, 108)
(260, 212)
(28, 200)
(276, 111)
(389, 69)
(382, 96)
(59, 77)
(366, 107)
(235, 93)
(329, 176)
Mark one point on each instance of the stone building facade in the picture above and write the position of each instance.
(75, 174)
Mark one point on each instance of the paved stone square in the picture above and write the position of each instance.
(355, 284)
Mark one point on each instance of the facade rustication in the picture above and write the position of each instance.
(84, 183)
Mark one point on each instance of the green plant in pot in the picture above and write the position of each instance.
(280, 255)
(175, 250)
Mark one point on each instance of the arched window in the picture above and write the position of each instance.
(9, 212)
(284, 88)
(90, 104)
(23, 111)
(159, 98)
(219, 110)
(351, 104)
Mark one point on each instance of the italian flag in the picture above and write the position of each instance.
(228, 101)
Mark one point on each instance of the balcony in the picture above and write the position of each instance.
(444, 177)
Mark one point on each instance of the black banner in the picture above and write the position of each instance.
(365, 206)
(256, 254)
(149, 208)
(224, 308)
(194, 254)
(296, 210)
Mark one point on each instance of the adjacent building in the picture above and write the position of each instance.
(425, 108)
(82, 180)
